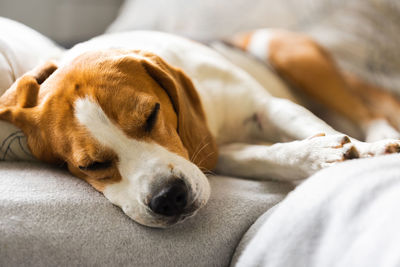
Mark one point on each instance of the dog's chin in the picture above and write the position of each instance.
(169, 221)
(153, 220)
(136, 206)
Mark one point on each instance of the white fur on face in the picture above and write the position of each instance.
(143, 166)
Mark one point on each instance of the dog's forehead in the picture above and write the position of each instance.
(110, 77)
(104, 59)
(115, 71)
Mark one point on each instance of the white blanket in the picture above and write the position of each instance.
(347, 215)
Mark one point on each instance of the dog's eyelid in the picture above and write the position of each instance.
(96, 165)
(152, 118)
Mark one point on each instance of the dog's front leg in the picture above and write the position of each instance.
(285, 161)
(281, 120)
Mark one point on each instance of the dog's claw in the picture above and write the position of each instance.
(351, 153)
(345, 140)
(317, 135)
(392, 148)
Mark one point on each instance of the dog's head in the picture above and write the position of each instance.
(128, 123)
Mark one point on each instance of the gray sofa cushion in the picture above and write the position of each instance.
(49, 218)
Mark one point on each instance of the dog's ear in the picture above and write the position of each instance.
(17, 104)
(192, 125)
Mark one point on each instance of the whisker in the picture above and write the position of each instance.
(193, 157)
(198, 153)
(212, 152)
(199, 145)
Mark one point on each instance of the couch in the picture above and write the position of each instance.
(342, 216)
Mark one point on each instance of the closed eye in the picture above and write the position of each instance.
(152, 118)
(96, 166)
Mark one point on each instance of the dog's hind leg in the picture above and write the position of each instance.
(311, 70)
(382, 103)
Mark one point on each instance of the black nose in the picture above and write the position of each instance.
(171, 200)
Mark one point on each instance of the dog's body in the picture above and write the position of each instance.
(135, 168)
(238, 109)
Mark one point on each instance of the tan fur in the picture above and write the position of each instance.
(241, 40)
(28, 87)
(127, 88)
(307, 66)
(192, 127)
(378, 100)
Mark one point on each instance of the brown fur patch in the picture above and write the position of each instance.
(308, 66)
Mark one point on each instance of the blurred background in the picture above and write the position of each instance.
(64, 21)
(362, 35)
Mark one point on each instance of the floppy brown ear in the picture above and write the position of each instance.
(192, 125)
(24, 91)
(18, 102)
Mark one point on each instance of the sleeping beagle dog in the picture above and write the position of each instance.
(142, 116)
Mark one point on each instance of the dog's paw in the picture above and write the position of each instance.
(382, 147)
(322, 151)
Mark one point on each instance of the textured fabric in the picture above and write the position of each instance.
(346, 215)
(250, 234)
(49, 218)
(13, 144)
